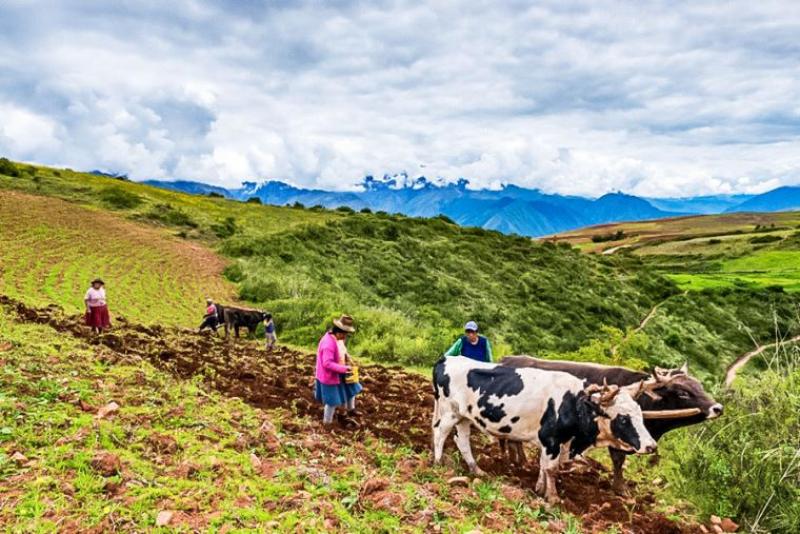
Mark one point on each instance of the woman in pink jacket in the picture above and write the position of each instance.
(330, 387)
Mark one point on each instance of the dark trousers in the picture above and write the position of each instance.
(210, 321)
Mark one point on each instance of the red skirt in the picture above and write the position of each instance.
(97, 317)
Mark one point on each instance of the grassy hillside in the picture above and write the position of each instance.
(411, 283)
(754, 250)
(208, 462)
(51, 249)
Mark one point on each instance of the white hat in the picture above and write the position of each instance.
(471, 325)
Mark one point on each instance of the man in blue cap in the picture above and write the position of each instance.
(471, 345)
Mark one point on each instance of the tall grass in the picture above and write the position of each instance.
(747, 465)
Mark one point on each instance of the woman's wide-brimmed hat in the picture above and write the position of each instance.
(345, 322)
(98, 281)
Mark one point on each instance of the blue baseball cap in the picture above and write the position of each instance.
(471, 325)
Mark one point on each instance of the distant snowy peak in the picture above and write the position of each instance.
(511, 209)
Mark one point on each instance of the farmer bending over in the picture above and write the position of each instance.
(211, 318)
(471, 345)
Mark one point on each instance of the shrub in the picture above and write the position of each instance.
(765, 239)
(214, 194)
(224, 229)
(714, 241)
(169, 215)
(299, 206)
(747, 466)
(8, 168)
(119, 198)
(254, 200)
(366, 210)
(613, 236)
(345, 209)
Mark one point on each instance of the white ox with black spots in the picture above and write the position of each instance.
(549, 408)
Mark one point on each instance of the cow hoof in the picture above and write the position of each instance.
(478, 472)
(621, 488)
(554, 500)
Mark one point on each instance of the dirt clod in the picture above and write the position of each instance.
(19, 458)
(164, 517)
(728, 525)
(459, 481)
(162, 443)
(107, 410)
(373, 485)
(106, 464)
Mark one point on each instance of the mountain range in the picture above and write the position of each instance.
(510, 209)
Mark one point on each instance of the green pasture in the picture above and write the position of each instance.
(758, 269)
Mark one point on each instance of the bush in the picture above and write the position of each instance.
(224, 229)
(119, 198)
(366, 210)
(214, 194)
(254, 200)
(747, 466)
(345, 209)
(167, 214)
(613, 236)
(8, 168)
(765, 239)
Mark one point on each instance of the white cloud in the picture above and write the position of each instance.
(656, 98)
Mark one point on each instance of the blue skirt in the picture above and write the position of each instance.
(336, 395)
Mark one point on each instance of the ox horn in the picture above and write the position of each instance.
(670, 414)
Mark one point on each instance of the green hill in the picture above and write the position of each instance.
(411, 283)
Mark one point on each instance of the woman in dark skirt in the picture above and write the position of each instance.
(331, 388)
(97, 317)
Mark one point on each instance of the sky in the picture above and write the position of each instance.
(650, 98)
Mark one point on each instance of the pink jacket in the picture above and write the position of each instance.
(329, 370)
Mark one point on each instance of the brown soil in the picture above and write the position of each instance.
(397, 408)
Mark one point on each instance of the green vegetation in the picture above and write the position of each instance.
(412, 283)
(619, 235)
(211, 460)
(748, 467)
(119, 198)
(51, 250)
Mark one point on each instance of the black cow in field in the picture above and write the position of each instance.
(237, 318)
(670, 399)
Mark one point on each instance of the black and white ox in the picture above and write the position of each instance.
(552, 409)
(669, 399)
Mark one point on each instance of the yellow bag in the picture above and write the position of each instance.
(352, 377)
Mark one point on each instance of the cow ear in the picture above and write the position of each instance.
(685, 368)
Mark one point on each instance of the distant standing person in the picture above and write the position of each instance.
(269, 332)
(211, 318)
(471, 345)
(331, 388)
(96, 307)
